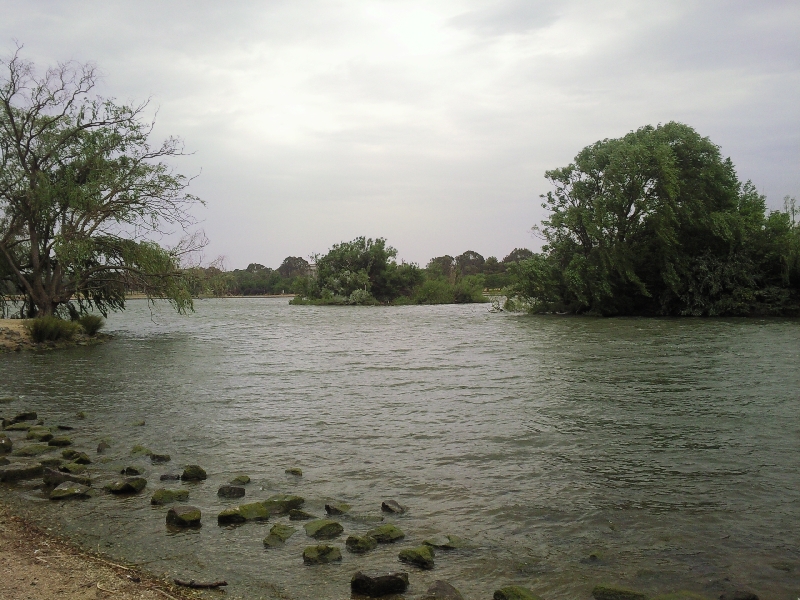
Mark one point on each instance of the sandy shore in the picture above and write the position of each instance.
(15, 338)
(37, 566)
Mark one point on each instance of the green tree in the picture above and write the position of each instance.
(82, 194)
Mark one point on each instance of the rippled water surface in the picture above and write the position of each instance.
(669, 448)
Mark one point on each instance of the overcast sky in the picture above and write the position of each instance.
(428, 123)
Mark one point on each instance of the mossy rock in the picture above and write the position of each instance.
(682, 595)
(18, 427)
(162, 496)
(231, 491)
(337, 508)
(54, 478)
(75, 456)
(240, 480)
(278, 535)
(159, 459)
(369, 519)
(40, 434)
(421, 556)
(103, 446)
(31, 450)
(194, 473)
(131, 471)
(294, 471)
(69, 489)
(243, 513)
(607, 592)
(514, 592)
(60, 441)
(386, 534)
(322, 554)
(140, 423)
(28, 415)
(130, 485)
(6, 445)
(323, 529)
(360, 544)
(442, 590)
(446, 542)
(139, 450)
(300, 515)
(21, 470)
(280, 504)
(80, 415)
(184, 516)
(51, 461)
(73, 468)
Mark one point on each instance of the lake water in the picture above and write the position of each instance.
(670, 448)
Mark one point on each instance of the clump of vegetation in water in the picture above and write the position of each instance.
(51, 329)
(657, 223)
(91, 324)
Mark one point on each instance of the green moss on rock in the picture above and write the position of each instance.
(607, 592)
(421, 556)
(386, 534)
(21, 470)
(323, 529)
(40, 434)
(194, 473)
(337, 508)
(184, 516)
(278, 535)
(31, 450)
(240, 480)
(322, 554)
(243, 513)
(300, 515)
(162, 496)
(130, 485)
(514, 592)
(294, 471)
(280, 504)
(69, 489)
(139, 450)
(60, 441)
(360, 544)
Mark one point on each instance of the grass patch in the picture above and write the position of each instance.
(51, 329)
(91, 324)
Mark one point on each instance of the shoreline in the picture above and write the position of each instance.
(37, 564)
(14, 337)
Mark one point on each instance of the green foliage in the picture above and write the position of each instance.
(51, 329)
(91, 324)
(656, 222)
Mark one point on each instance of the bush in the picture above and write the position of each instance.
(91, 324)
(50, 329)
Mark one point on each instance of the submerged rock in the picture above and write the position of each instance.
(280, 504)
(21, 470)
(386, 534)
(230, 491)
(159, 459)
(72, 467)
(359, 544)
(40, 434)
(6, 445)
(278, 535)
(605, 592)
(130, 485)
(170, 477)
(682, 595)
(375, 585)
(391, 506)
(140, 423)
(364, 518)
(194, 473)
(50, 461)
(243, 513)
(162, 496)
(421, 556)
(323, 529)
(69, 489)
(441, 590)
(102, 447)
(18, 426)
(514, 592)
(300, 515)
(337, 508)
(60, 441)
(294, 471)
(130, 471)
(240, 480)
(183, 516)
(78, 457)
(51, 477)
(139, 450)
(29, 415)
(322, 554)
(80, 415)
(31, 450)
(445, 542)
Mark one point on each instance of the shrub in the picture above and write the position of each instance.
(50, 329)
(91, 324)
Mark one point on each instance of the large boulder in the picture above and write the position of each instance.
(278, 535)
(386, 534)
(514, 592)
(441, 590)
(243, 513)
(375, 585)
(359, 544)
(162, 496)
(608, 592)
(421, 556)
(280, 504)
(129, 485)
(337, 508)
(69, 489)
(183, 516)
(322, 554)
(21, 470)
(51, 477)
(193, 473)
(392, 506)
(230, 491)
(6, 445)
(31, 450)
(323, 529)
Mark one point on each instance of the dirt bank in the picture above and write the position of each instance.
(15, 338)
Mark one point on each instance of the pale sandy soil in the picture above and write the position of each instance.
(13, 336)
(38, 566)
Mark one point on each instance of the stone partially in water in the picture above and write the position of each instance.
(243, 513)
(131, 485)
(78, 457)
(162, 496)
(446, 542)
(359, 544)
(515, 592)
(323, 529)
(738, 595)
(139, 450)
(300, 515)
(240, 480)
(29, 415)
(130, 471)
(18, 427)
(60, 441)
(6, 445)
(102, 447)
(158, 459)
(170, 477)
(183, 516)
(391, 506)
(376, 585)
(230, 491)
(31, 450)
(278, 535)
(322, 554)
(682, 595)
(441, 590)
(421, 556)
(337, 508)
(281, 504)
(51, 477)
(40, 434)
(21, 470)
(294, 471)
(606, 592)
(73, 468)
(194, 473)
(386, 534)
(69, 489)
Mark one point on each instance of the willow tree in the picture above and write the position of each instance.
(83, 196)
